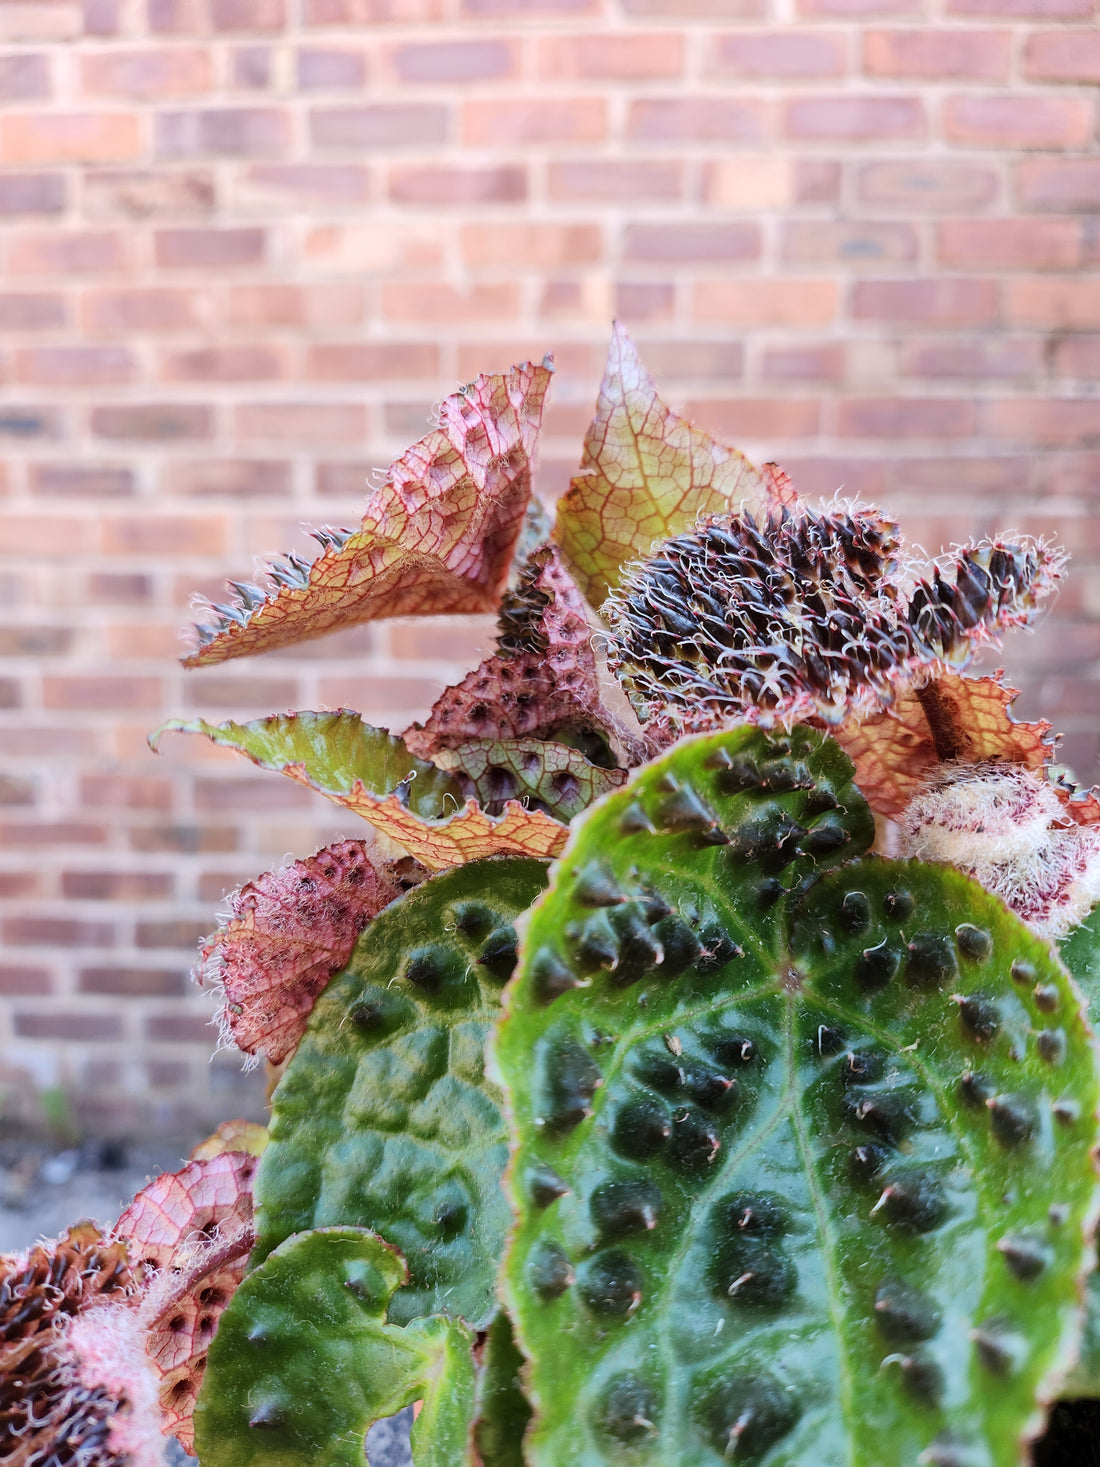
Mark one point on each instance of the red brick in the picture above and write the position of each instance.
(308, 185)
(1009, 244)
(27, 421)
(140, 193)
(926, 185)
(14, 791)
(204, 249)
(134, 982)
(664, 121)
(1017, 120)
(47, 834)
(117, 886)
(1059, 184)
(185, 1028)
(306, 422)
(186, 840)
(619, 56)
(32, 193)
(926, 302)
(153, 308)
(530, 246)
(370, 12)
(454, 61)
(172, 932)
(101, 17)
(69, 366)
(823, 363)
(615, 179)
(104, 692)
(251, 792)
(230, 363)
(935, 55)
(997, 357)
(10, 693)
(1063, 56)
(234, 478)
(766, 302)
(248, 15)
(542, 120)
(1053, 305)
(373, 361)
(860, 9)
(1078, 356)
(253, 67)
(127, 589)
(690, 243)
(379, 125)
(24, 981)
(223, 132)
(345, 480)
(24, 76)
(31, 311)
(316, 307)
(1064, 421)
(784, 55)
(905, 417)
(439, 186)
(693, 360)
(69, 137)
(76, 252)
(848, 246)
(150, 74)
(81, 481)
(34, 641)
(816, 181)
(151, 422)
(56, 1024)
(854, 119)
(1004, 10)
(325, 68)
(764, 418)
(197, 534)
(229, 689)
(54, 931)
(432, 301)
(401, 694)
(176, 17)
(681, 10)
(985, 475)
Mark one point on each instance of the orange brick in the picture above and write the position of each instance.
(163, 534)
(1020, 120)
(545, 120)
(619, 56)
(230, 363)
(304, 422)
(766, 302)
(1044, 420)
(149, 309)
(371, 362)
(313, 307)
(69, 137)
(756, 418)
(103, 692)
(1059, 184)
(1009, 244)
(1053, 305)
(906, 417)
(531, 246)
(432, 301)
(75, 252)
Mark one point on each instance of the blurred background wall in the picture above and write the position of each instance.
(247, 243)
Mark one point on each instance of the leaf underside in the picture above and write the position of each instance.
(803, 1171)
(384, 1117)
(545, 775)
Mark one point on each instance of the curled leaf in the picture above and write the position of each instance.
(232, 1136)
(645, 474)
(436, 537)
(287, 933)
(469, 835)
(551, 776)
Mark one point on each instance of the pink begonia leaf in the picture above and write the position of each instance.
(436, 537)
(647, 474)
(287, 934)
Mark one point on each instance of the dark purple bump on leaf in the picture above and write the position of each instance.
(611, 1284)
(819, 801)
(641, 1129)
(635, 821)
(618, 1208)
(271, 1415)
(719, 949)
(681, 945)
(640, 952)
(571, 1080)
(544, 1185)
(914, 1202)
(1051, 1044)
(981, 1018)
(768, 892)
(597, 887)
(718, 759)
(921, 1375)
(754, 1273)
(499, 954)
(695, 1142)
(825, 838)
(368, 1017)
(855, 913)
(628, 1410)
(997, 1347)
(1066, 1112)
(898, 905)
(550, 977)
(1046, 997)
(686, 812)
(931, 961)
(598, 946)
(975, 1089)
(866, 1163)
(473, 919)
(753, 1214)
(747, 1415)
(975, 943)
(667, 782)
(781, 776)
(741, 774)
(877, 966)
(732, 1051)
(660, 1071)
(1023, 972)
(904, 1315)
(1015, 1119)
(707, 1087)
(828, 1041)
(549, 1270)
(428, 968)
(863, 1066)
(888, 1115)
(1025, 1256)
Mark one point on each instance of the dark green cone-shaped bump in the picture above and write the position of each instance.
(304, 1362)
(385, 1118)
(823, 1173)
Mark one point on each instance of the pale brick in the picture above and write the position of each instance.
(69, 137)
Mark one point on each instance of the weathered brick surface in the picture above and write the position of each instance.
(248, 244)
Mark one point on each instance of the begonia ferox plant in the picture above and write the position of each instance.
(692, 1063)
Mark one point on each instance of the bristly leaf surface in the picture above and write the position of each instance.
(803, 1144)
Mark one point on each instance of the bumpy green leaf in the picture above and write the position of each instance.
(803, 1169)
(1080, 952)
(384, 1117)
(501, 1411)
(555, 777)
(304, 1361)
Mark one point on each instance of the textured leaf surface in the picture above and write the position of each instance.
(288, 932)
(954, 717)
(304, 1361)
(501, 1412)
(645, 474)
(1080, 951)
(804, 1172)
(384, 1117)
(544, 775)
(436, 537)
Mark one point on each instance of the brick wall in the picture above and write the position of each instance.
(247, 243)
